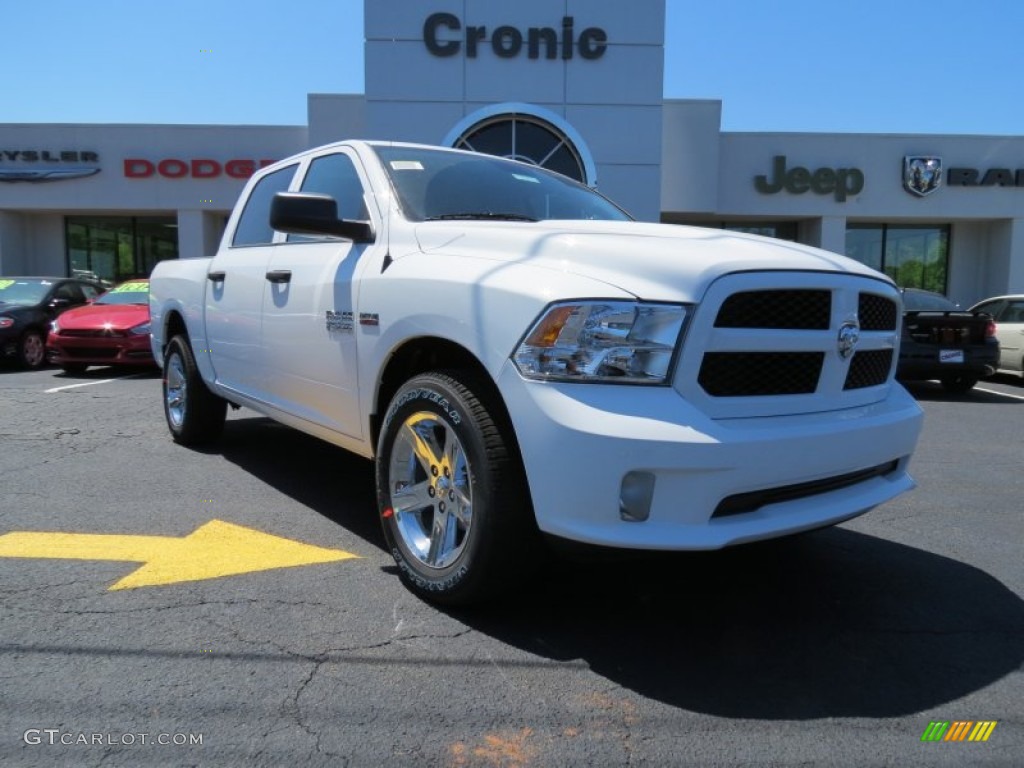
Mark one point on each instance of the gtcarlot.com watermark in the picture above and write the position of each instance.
(72, 738)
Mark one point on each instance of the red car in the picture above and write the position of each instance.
(113, 329)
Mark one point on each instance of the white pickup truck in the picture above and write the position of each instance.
(519, 357)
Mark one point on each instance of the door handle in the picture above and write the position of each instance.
(279, 275)
(215, 277)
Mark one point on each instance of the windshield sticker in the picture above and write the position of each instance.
(406, 165)
(6, 284)
(131, 288)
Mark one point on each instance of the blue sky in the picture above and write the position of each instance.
(895, 66)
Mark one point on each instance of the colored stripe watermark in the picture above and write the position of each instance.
(959, 730)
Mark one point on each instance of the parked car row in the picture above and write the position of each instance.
(74, 322)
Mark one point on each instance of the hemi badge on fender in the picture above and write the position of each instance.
(369, 318)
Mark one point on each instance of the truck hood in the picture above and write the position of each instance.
(660, 262)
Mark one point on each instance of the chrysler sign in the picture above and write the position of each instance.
(46, 164)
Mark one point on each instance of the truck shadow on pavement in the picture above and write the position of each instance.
(335, 483)
(828, 624)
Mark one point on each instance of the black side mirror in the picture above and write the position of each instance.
(60, 303)
(304, 213)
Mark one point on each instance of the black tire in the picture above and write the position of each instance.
(32, 349)
(441, 443)
(73, 368)
(195, 416)
(959, 384)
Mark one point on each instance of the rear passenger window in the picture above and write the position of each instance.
(335, 175)
(254, 225)
(71, 292)
(1013, 313)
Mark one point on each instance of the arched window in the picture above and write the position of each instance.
(528, 138)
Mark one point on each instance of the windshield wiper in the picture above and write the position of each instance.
(481, 215)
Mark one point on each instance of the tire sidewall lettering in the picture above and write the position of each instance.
(445, 584)
(441, 581)
(430, 395)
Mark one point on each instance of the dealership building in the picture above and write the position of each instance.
(573, 85)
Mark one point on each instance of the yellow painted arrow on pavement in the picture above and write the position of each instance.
(213, 550)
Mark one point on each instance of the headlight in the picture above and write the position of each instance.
(54, 327)
(624, 342)
(6, 322)
(140, 330)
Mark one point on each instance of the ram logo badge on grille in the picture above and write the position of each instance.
(849, 335)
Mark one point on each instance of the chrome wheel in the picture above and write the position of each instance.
(430, 492)
(195, 415)
(176, 390)
(33, 350)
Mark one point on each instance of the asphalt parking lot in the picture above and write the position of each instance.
(838, 647)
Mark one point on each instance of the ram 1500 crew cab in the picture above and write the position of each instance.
(518, 356)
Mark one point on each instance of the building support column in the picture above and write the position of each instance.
(1015, 257)
(198, 234)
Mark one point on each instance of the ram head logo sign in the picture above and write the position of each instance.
(922, 175)
(849, 335)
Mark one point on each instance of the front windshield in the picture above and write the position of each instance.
(434, 185)
(135, 292)
(25, 293)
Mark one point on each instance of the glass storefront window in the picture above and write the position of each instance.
(117, 248)
(913, 256)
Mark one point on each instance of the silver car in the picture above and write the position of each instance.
(1008, 313)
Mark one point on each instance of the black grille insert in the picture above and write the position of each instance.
(749, 502)
(749, 374)
(796, 309)
(876, 313)
(868, 369)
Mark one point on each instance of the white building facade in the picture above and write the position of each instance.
(573, 85)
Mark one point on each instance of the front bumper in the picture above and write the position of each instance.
(9, 338)
(580, 441)
(99, 350)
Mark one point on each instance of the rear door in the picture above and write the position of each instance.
(309, 306)
(234, 291)
(1010, 332)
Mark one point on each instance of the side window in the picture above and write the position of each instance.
(335, 175)
(990, 308)
(91, 292)
(254, 225)
(1013, 313)
(71, 292)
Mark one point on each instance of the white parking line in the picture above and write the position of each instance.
(997, 392)
(90, 383)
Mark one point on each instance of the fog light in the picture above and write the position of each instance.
(635, 496)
